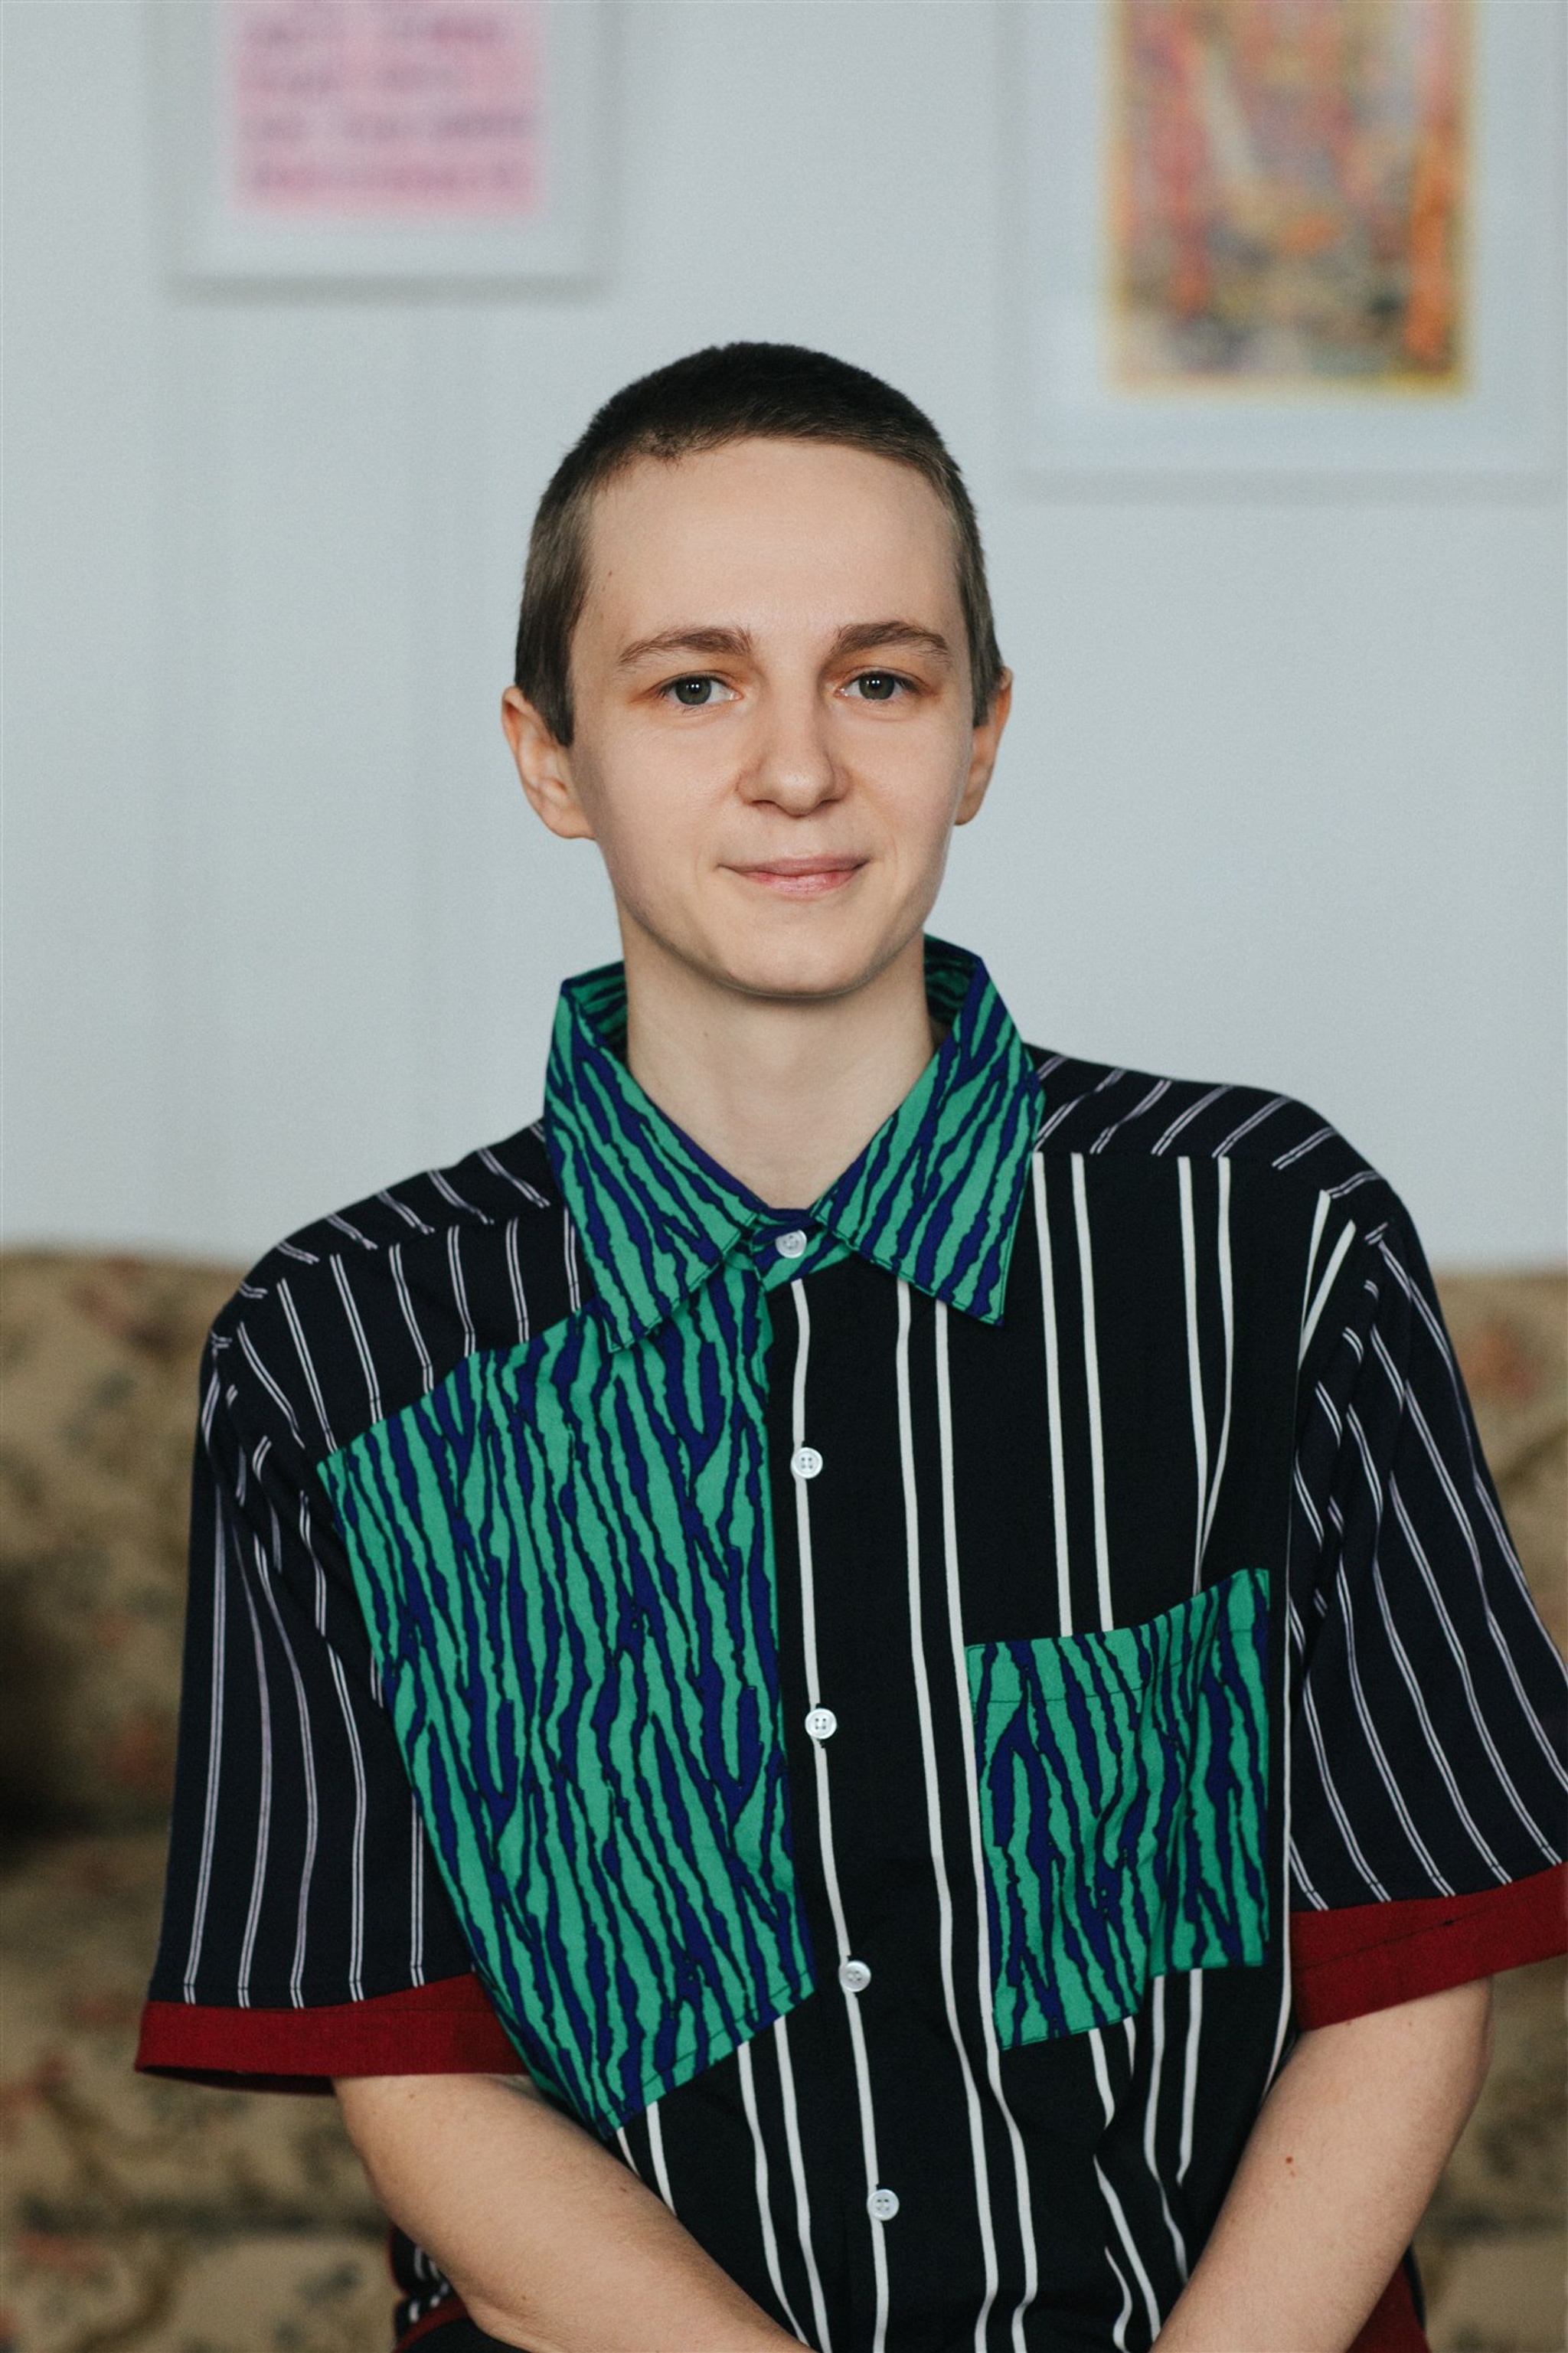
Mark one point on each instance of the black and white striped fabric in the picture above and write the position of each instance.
(1221, 1353)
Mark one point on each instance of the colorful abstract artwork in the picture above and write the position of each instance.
(1289, 197)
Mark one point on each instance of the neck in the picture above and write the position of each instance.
(782, 1092)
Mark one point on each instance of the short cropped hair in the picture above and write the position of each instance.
(731, 392)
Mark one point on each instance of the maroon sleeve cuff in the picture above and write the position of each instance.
(446, 2028)
(1370, 1955)
(1393, 2325)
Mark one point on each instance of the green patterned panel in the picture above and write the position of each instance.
(1124, 1798)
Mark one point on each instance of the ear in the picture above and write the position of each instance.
(985, 744)
(545, 766)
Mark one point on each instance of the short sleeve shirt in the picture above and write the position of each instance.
(895, 1711)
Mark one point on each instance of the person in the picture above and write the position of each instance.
(866, 1690)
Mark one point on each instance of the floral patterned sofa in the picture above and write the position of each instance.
(151, 2216)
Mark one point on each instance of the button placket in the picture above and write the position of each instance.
(821, 1723)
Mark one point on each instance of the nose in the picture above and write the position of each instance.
(792, 763)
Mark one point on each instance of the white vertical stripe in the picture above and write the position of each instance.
(1320, 1297)
(1205, 1521)
(362, 1345)
(357, 1880)
(656, 2152)
(306, 1365)
(1097, 1459)
(798, 2178)
(1190, 2072)
(460, 1288)
(760, 2174)
(247, 1350)
(1287, 1835)
(1102, 2072)
(215, 1754)
(1287, 1842)
(1309, 1314)
(1108, 2103)
(977, 1857)
(934, 1821)
(357, 1759)
(1118, 2327)
(514, 1277)
(1091, 1378)
(824, 1819)
(307, 1759)
(400, 1282)
(263, 1811)
(416, 1896)
(1129, 2247)
(1195, 1366)
(1228, 1319)
(1054, 1402)
(1151, 2122)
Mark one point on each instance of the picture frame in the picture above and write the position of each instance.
(1496, 423)
(231, 230)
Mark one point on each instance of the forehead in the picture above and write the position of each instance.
(760, 529)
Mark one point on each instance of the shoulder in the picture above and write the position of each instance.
(495, 1184)
(1102, 1109)
(1319, 1225)
(353, 1316)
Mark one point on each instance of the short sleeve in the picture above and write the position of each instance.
(1428, 1797)
(306, 1932)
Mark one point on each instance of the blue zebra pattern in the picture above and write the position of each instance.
(565, 1560)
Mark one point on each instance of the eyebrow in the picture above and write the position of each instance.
(685, 641)
(865, 637)
(854, 638)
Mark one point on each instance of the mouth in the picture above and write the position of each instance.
(801, 878)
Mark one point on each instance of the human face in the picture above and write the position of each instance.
(774, 731)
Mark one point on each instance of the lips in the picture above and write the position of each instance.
(801, 877)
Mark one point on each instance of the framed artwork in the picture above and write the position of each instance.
(377, 141)
(1270, 239)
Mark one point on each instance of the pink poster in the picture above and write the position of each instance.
(382, 109)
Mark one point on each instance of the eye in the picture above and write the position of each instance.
(698, 692)
(878, 686)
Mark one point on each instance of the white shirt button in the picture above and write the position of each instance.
(805, 1462)
(882, 2205)
(821, 1723)
(791, 1245)
(854, 1977)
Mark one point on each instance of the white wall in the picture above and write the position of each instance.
(1282, 801)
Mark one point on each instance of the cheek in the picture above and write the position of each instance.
(915, 787)
(650, 812)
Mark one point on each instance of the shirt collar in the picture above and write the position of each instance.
(933, 1197)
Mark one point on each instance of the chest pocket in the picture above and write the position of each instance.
(1123, 1786)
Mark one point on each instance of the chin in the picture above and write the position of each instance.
(803, 960)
